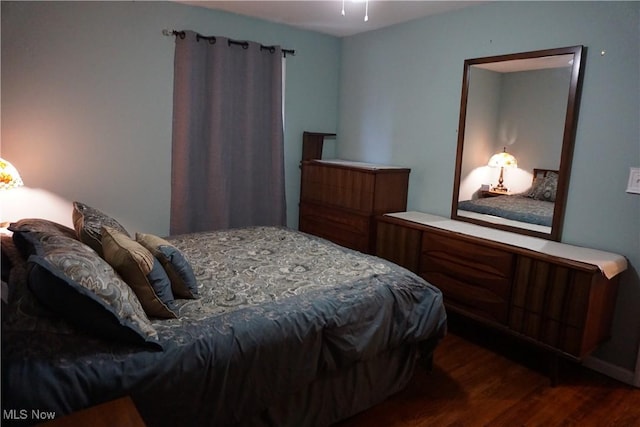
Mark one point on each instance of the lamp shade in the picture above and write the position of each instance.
(503, 160)
(9, 176)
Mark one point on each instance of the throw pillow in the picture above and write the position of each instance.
(183, 280)
(141, 270)
(88, 223)
(70, 279)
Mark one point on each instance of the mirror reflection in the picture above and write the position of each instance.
(516, 134)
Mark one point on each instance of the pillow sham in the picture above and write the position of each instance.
(183, 280)
(40, 225)
(23, 310)
(13, 263)
(545, 188)
(70, 279)
(9, 254)
(142, 272)
(88, 223)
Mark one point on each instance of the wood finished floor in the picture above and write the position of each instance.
(484, 380)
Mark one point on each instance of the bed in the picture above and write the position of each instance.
(534, 206)
(276, 327)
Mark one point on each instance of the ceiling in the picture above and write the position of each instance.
(325, 16)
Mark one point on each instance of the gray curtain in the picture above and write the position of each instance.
(227, 149)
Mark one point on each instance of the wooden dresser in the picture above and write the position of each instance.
(339, 200)
(556, 296)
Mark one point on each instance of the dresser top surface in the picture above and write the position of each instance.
(610, 264)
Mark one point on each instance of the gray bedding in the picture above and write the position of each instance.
(516, 207)
(288, 329)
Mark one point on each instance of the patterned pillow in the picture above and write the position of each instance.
(183, 280)
(70, 279)
(40, 225)
(88, 223)
(43, 226)
(9, 255)
(545, 188)
(13, 263)
(142, 272)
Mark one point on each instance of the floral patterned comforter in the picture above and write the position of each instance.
(277, 310)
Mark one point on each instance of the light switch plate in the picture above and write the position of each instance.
(634, 181)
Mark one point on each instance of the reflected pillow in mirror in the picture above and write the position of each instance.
(545, 188)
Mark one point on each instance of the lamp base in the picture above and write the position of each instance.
(501, 187)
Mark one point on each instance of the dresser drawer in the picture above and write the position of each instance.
(474, 278)
(340, 187)
(551, 303)
(370, 190)
(341, 227)
(398, 244)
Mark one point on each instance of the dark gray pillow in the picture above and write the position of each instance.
(36, 224)
(183, 279)
(88, 223)
(42, 225)
(545, 188)
(14, 270)
(70, 279)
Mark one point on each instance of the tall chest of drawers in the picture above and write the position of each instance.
(339, 200)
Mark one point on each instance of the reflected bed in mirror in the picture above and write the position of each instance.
(518, 115)
(531, 209)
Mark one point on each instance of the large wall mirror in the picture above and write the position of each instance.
(518, 117)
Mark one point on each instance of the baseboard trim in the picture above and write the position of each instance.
(616, 372)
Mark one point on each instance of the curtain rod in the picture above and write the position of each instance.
(212, 40)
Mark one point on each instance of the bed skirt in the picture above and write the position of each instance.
(328, 399)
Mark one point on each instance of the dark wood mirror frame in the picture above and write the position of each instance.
(566, 154)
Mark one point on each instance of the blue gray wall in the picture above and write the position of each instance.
(400, 97)
(87, 93)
